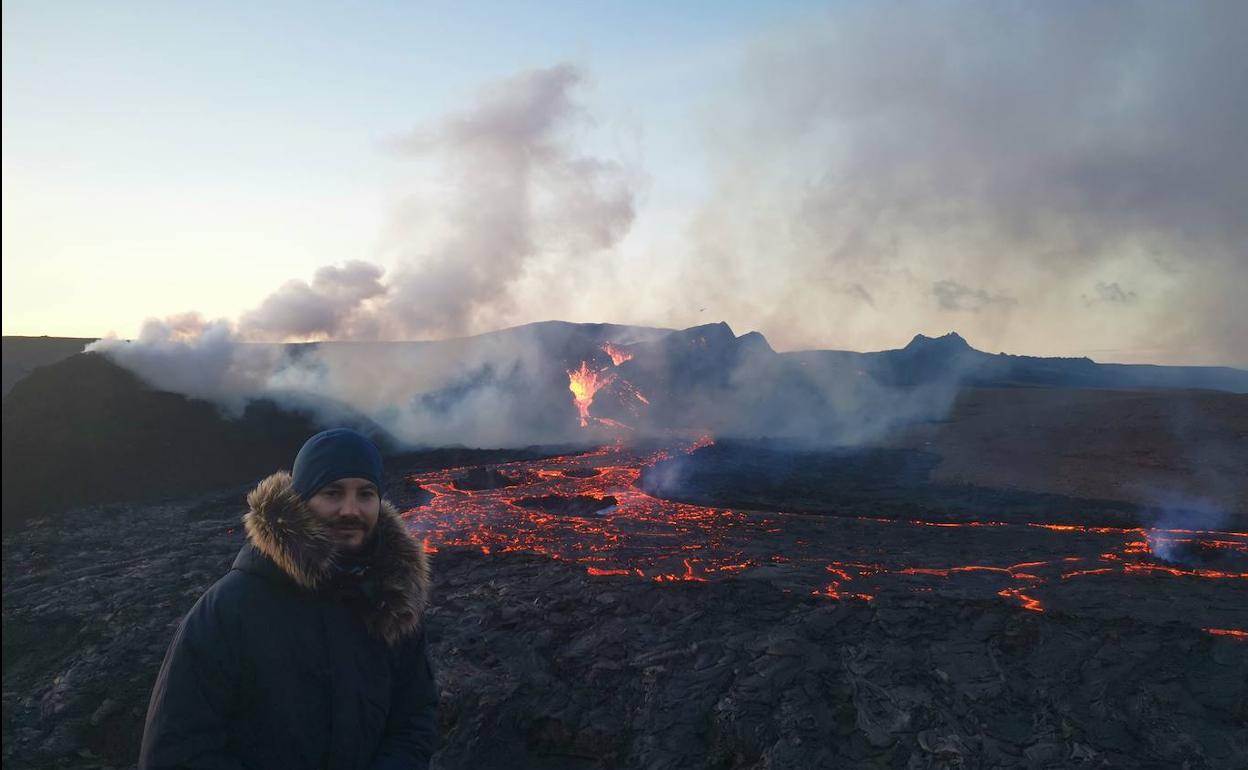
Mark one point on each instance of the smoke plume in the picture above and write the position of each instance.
(518, 192)
(943, 155)
(1040, 176)
(514, 195)
(332, 306)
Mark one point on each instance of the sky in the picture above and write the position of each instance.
(1059, 178)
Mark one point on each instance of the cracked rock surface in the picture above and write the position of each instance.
(541, 665)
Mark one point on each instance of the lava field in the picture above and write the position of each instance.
(1189, 576)
(582, 621)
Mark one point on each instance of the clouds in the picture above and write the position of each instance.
(1051, 178)
(955, 156)
(1046, 178)
(1111, 293)
(951, 295)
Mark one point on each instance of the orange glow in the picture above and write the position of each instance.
(584, 384)
(1028, 602)
(704, 440)
(1203, 573)
(1082, 572)
(832, 592)
(1234, 633)
(686, 575)
(840, 558)
(618, 355)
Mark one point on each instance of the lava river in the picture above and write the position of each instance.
(1101, 571)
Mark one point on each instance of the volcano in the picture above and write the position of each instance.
(721, 556)
(558, 383)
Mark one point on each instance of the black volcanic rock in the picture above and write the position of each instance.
(576, 505)
(541, 665)
(946, 345)
(477, 479)
(950, 360)
(888, 482)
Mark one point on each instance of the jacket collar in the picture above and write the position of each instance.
(281, 528)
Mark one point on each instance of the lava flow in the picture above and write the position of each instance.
(589, 510)
(618, 355)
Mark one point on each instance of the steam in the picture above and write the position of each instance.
(1030, 173)
(516, 196)
(519, 192)
(989, 167)
(186, 354)
(333, 305)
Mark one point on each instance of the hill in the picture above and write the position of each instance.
(85, 430)
(22, 355)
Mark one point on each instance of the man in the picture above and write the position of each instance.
(310, 652)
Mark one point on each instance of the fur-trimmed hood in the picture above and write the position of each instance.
(281, 527)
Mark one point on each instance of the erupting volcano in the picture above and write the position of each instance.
(586, 382)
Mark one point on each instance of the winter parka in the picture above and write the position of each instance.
(273, 670)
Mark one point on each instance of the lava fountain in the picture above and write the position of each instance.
(585, 384)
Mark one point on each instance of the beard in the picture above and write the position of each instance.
(354, 542)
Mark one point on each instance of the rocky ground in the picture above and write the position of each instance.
(542, 665)
(1151, 448)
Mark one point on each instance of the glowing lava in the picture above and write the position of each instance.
(584, 384)
(862, 558)
(1234, 633)
(618, 355)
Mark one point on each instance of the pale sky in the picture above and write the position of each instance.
(1053, 179)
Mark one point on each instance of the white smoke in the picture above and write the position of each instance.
(518, 191)
(986, 167)
(334, 305)
(515, 192)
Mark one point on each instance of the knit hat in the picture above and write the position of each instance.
(335, 454)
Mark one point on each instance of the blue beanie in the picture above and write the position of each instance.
(335, 454)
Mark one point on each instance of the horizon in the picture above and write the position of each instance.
(913, 338)
(1052, 180)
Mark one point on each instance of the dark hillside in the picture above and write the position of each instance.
(87, 431)
(21, 355)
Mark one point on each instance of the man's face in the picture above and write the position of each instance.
(350, 508)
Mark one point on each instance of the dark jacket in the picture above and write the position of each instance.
(281, 665)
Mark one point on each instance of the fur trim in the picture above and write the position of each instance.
(280, 526)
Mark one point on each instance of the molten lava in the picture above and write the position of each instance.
(585, 384)
(1040, 566)
(618, 355)
(1234, 633)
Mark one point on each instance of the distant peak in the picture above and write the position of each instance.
(950, 341)
(755, 340)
